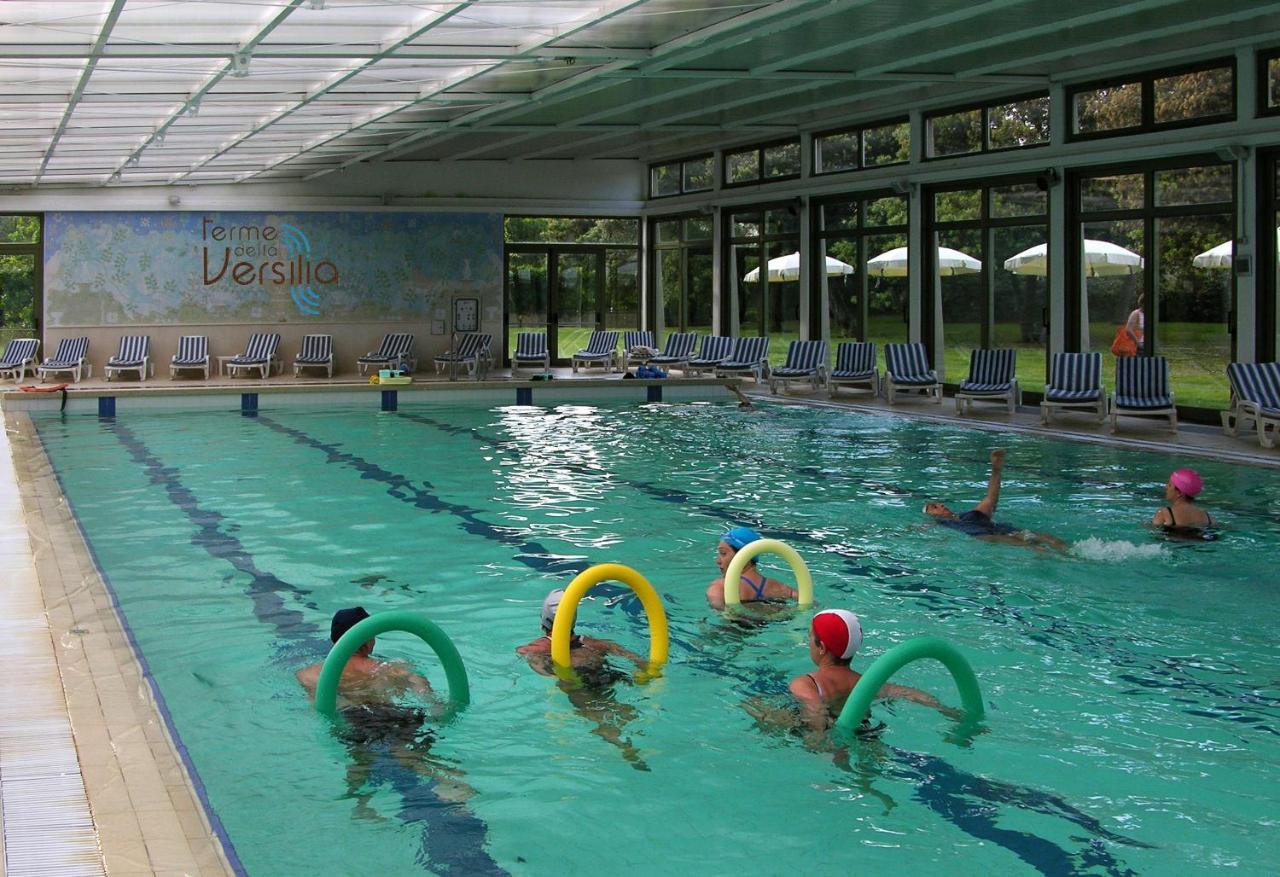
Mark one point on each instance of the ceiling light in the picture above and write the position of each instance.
(317, 5)
(240, 65)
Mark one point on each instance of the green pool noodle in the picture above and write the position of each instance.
(898, 657)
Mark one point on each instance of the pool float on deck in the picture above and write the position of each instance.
(410, 622)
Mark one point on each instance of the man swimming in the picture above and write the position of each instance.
(365, 681)
(753, 585)
(978, 522)
(591, 693)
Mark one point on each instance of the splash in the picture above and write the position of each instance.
(1094, 548)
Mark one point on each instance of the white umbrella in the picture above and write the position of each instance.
(787, 267)
(894, 263)
(1220, 256)
(1100, 259)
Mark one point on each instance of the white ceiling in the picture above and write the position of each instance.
(158, 92)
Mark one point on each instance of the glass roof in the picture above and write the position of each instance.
(162, 92)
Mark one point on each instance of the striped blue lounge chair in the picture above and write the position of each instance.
(395, 351)
(1142, 390)
(715, 350)
(19, 355)
(906, 369)
(531, 352)
(1255, 400)
(133, 355)
(991, 378)
(69, 357)
(750, 356)
(637, 348)
(601, 351)
(805, 360)
(472, 353)
(259, 355)
(193, 353)
(855, 364)
(316, 352)
(679, 348)
(1075, 381)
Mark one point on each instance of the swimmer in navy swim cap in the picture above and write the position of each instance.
(978, 522)
(365, 680)
(753, 586)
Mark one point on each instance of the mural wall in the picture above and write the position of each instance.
(120, 269)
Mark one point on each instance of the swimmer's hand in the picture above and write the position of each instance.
(997, 457)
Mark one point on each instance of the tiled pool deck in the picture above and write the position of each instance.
(90, 780)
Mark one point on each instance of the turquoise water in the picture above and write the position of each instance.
(1132, 686)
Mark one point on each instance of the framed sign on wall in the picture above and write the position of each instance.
(466, 315)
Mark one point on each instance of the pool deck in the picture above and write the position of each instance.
(91, 782)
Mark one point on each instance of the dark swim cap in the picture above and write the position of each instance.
(344, 620)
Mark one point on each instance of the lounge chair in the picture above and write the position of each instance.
(715, 350)
(637, 348)
(531, 352)
(1142, 390)
(259, 355)
(601, 351)
(906, 369)
(472, 352)
(805, 359)
(133, 355)
(1255, 400)
(991, 378)
(1075, 381)
(750, 356)
(19, 354)
(70, 357)
(855, 364)
(193, 353)
(395, 351)
(678, 350)
(316, 352)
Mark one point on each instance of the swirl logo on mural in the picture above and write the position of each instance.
(257, 250)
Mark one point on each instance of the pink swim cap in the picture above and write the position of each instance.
(1187, 481)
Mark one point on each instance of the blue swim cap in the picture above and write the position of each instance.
(739, 537)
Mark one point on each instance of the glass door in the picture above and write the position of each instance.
(557, 290)
(528, 295)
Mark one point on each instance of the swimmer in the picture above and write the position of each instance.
(591, 694)
(834, 636)
(753, 586)
(1182, 517)
(365, 681)
(743, 401)
(978, 521)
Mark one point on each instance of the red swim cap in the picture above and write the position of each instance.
(839, 631)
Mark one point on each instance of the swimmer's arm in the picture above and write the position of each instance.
(308, 677)
(1162, 519)
(903, 692)
(715, 594)
(612, 648)
(992, 499)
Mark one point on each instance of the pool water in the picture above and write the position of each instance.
(1132, 685)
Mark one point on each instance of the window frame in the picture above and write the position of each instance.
(759, 149)
(1147, 106)
(860, 130)
(984, 107)
(35, 249)
(681, 163)
(1261, 70)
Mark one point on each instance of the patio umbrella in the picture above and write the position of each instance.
(894, 263)
(1218, 257)
(787, 267)
(1101, 259)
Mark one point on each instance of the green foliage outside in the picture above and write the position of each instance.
(17, 278)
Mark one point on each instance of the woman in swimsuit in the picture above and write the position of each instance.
(1182, 516)
(753, 586)
(834, 636)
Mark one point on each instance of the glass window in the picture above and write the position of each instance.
(699, 174)
(958, 206)
(745, 225)
(1110, 108)
(1212, 184)
(19, 229)
(886, 144)
(836, 152)
(782, 160)
(1022, 123)
(888, 211)
(664, 179)
(742, 167)
(668, 231)
(1022, 199)
(697, 229)
(571, 230)
(955, 133)
(1271, 83)
(1195, 95)
(838, 215)
(1120, 192)
(783, 220)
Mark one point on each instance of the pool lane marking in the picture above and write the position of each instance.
(1246, 700)
(269, 609)
(941, 800)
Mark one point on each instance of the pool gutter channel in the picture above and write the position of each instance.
(133, 806)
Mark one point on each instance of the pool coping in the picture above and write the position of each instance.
(148, 812)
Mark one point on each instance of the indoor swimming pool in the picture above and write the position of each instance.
(1132, 690)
